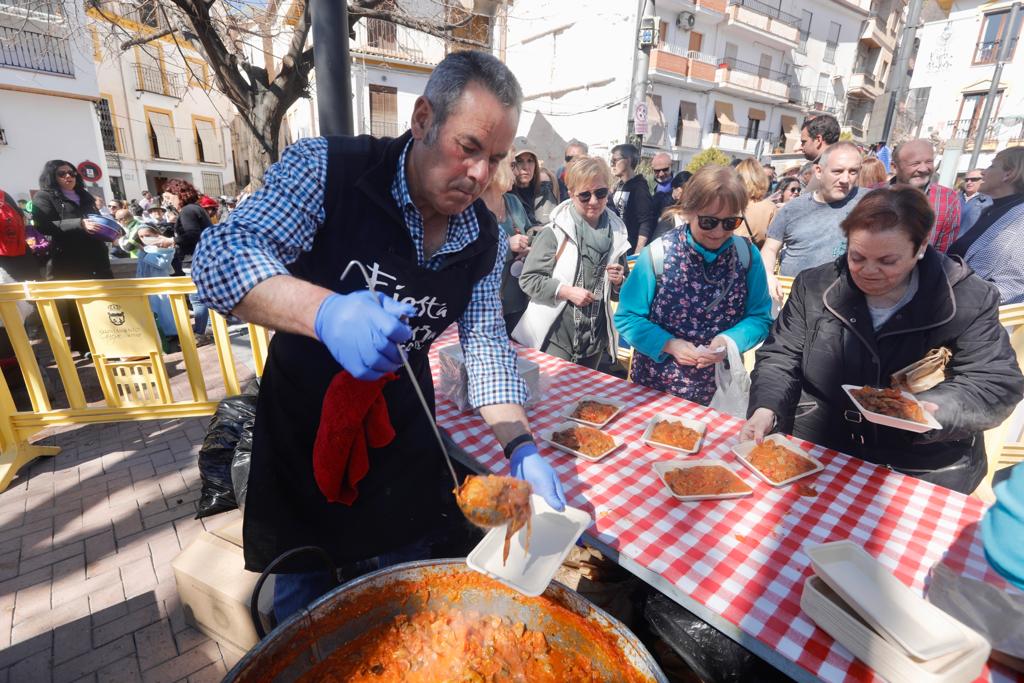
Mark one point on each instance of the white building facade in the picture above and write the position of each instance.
(956, 63)
(739, 75)
(48, 90)
(159, 114)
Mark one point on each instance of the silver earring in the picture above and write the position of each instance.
(920, 255)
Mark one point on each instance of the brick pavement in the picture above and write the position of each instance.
(86, 540)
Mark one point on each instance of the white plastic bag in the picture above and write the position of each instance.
(732, 382)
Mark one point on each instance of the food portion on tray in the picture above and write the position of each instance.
(675, 434)
(585, 440)
(777, 462)
(704, 480)
(891, 402)
(594, 411)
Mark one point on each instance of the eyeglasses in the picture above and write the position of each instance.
(793, 190)
(712, 222)
(600, 193)
(616, 160)
(659, 171)
(67, 174)
(972, 180)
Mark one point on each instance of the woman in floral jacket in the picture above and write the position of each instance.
(692, 288)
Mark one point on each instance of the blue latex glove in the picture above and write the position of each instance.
(530, 466)
(362, 330)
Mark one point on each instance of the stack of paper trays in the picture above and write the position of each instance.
(902, 637)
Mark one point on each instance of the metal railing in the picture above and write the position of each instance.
(754, 69)
(34, 51)
(152, 79)
(701, 57)
(745, 132)
(768, 11)
(968, 130)
(986, 52)
(815, 99)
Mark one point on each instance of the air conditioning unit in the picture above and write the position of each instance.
(685, 20)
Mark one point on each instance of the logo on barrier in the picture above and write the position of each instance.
(116, 314)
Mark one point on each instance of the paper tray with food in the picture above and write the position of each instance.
(582, 441)
(901, 409)
(674, 433)
(534, 557)
(777, 460)
(704, 479)
(594, 411)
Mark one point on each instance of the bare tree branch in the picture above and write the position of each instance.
(142, 40)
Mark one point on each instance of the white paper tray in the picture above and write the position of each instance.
(894, 611)
(548, 436)
(553, 536)
(692, 424)
(895, 422)
(834, 616)
(619, 405)
(664, 466)
(743, 449)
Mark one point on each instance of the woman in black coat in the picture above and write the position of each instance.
(882, 306)
(58, 211)
(188, 229)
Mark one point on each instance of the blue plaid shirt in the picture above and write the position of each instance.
(279, 222)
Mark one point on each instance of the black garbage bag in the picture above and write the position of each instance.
(240, 463)
(710, 654)
(218, 450)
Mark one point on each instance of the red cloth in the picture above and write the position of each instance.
(946, 204)
(353, 416)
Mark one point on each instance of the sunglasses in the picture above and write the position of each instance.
(600, 193)
(972, 180)
(794, 190)
(67, 174)
(661, 170)
(569, 158)
(712, 222)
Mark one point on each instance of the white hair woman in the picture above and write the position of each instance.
(575, 265)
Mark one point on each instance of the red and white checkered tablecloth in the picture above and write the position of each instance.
(740, 558)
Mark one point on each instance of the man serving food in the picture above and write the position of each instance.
(344, 457)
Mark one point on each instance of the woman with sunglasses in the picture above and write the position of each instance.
(789, 189)
(680, 315)
(576, 264)
(58, 211)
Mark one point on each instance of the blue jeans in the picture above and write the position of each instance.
(201, 314)
(295, 591)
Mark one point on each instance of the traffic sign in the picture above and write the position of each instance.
(640, 119)
(90, 171)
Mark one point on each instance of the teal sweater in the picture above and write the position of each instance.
(637, 294)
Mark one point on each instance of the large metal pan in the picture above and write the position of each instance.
(568, 620)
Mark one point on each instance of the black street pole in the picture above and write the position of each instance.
(331, 66)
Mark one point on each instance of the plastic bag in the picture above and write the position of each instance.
(708, 652)
(454, 378)
(217, 494)
(240, 463)
(995, 613)
(733, 382)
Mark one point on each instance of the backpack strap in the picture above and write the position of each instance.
(745, 254)
(656, 251)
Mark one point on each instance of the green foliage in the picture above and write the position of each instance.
(708, 157)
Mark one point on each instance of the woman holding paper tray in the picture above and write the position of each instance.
(880, 307)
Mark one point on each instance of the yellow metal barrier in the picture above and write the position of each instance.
(126, 348)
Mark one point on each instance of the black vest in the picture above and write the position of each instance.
(403, 493)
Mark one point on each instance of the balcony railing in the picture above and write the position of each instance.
(987, 52)
(378, 37)
(815, 99)
(754, 69)
(152, 79)
(24, 49)
(768, 11)
(384, 129)
(969, 130)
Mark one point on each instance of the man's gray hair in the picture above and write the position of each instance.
(456, 72)
(832, 149)
(578, 143)
(912, 141)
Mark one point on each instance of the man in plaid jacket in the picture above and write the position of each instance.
(914, 164)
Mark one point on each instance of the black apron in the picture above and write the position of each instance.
(404, 493)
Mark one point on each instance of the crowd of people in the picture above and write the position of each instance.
(889, 264)
(64, 232)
